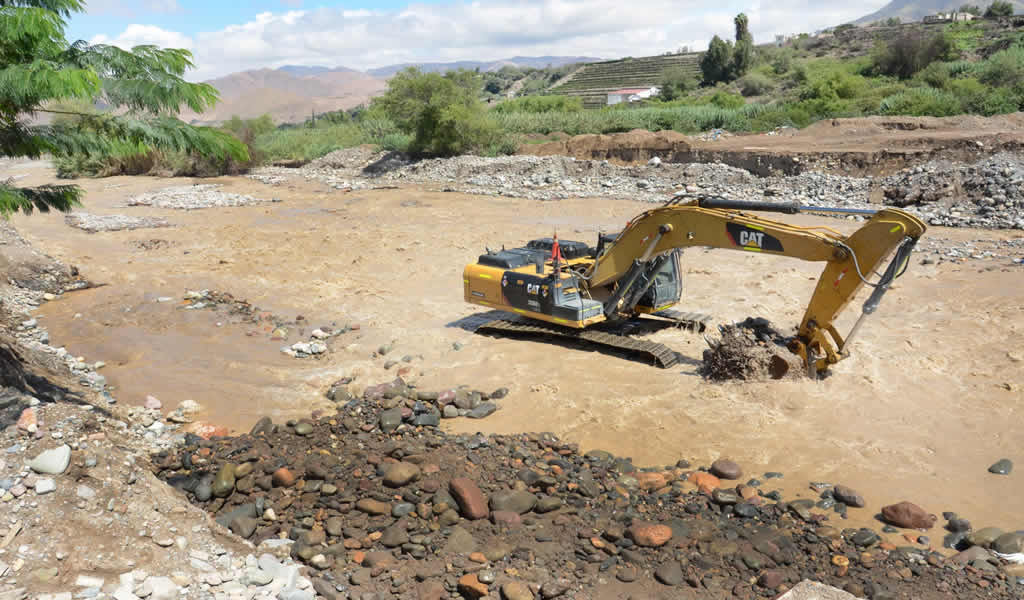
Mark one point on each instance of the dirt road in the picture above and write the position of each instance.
(930, 398)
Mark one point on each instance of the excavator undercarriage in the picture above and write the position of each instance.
(627, 283)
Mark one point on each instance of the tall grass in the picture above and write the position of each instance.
(304, 143)
(684, 119)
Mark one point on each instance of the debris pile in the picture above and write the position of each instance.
(194, 197)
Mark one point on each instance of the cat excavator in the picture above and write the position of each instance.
(598, 294)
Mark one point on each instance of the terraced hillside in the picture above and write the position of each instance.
(592, 82)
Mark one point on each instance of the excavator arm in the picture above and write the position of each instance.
(720, 223)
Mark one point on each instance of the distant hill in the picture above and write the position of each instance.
(535, 62)
(288, 94)
(915, 10)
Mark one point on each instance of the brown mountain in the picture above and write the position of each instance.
(915, 10)
(287, 95)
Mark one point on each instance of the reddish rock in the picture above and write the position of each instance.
(478, 557)
(506, 517)
(283, 478)
(28, 420)
(649, 535)
(724, 468)
(651, 481)
(770, 579)
(470, 586)
(705, 482)
(472, 502)
(908, 515)
(206, 430)
(746, 492)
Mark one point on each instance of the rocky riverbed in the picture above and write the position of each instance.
(987, 194)
(380, 503)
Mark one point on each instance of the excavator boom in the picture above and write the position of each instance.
(638, 270)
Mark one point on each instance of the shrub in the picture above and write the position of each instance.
(921, 102)
(754, 84)
(1004, 68)
(909, 54)
(782, 62)
(676, 82)
(724, 99)
(936, 75)
(540, 104)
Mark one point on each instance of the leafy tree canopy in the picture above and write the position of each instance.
(999, 9)
(40, 69)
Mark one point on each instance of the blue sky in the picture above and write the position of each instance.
(193, 16)
(227, 37)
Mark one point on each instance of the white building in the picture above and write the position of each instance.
(632, 95)
(947, 17)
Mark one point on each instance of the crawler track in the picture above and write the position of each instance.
(602, 335)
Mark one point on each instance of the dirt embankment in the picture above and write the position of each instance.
(861, 146)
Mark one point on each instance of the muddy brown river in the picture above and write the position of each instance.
(929, 399)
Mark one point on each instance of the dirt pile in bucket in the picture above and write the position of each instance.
(750, 350)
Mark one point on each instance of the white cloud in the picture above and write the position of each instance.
(137, 35)
(130, 8)
(478, 30)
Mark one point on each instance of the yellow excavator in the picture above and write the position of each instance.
(571, 290)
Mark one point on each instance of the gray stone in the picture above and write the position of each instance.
(54, 461)
(486, 409)
(669, 573)
(430, 419)
(45, 486)
(243, 526)
(848, 496)
(970, 555)
(394, 536)
(450, 411)
(548, 504)
(256, 577)
(1002, 467)
(1009, 543)
(460, 541)
(303, 429)
(984, 537)
(864, 538)
(517, 501)
(85, 492)
(723, 496)
(295, 594)
(390, 419)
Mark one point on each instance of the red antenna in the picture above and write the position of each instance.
(556, 253)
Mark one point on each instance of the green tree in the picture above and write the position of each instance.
(39, 68)
(999, 9)
(443, 113)
(676, 82)
(743, 53)
(910, 53)
(973, 9)
(892, 22)
(716, 64)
